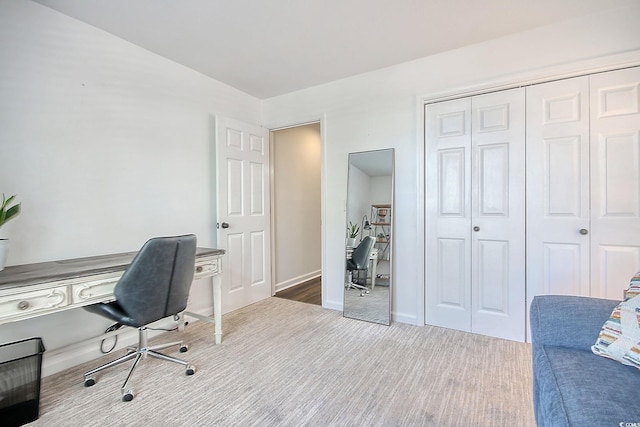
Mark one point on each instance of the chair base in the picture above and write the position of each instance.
(139, 353)
(351, 285)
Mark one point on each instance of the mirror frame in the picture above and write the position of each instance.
(367, 157)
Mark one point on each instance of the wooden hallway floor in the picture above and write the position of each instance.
(309, 292)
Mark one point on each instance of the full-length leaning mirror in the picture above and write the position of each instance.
(368, 252)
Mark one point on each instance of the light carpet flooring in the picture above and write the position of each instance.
(286, 363)
(372, 307)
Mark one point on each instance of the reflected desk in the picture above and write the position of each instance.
(32, 290)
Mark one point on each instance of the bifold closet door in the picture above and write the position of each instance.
(615, 181)
(558, 197)
(583, 185)
(498, 214)
(475, 254)
(448, 214)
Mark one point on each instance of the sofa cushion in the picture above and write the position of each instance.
(619, 338)
(583, 389)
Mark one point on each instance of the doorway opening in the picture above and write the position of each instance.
(296, 209)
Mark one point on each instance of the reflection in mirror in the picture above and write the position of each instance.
(368, 273)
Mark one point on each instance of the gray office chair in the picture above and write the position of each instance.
(359, 261)
(155, 286)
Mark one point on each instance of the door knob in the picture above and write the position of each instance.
(584, 231)
(476, 228)
(224, 225)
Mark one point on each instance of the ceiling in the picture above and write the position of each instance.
(373, 163)
(269, 48)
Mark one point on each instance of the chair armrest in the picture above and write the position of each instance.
(568, 321)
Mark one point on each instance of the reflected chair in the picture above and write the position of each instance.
(359, 261)
(155, 286)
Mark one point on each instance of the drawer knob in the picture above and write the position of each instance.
(199, 269)
(23, 305)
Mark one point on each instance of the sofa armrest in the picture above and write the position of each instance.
(568, 321)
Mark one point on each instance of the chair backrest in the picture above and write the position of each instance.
(157, 283)
(360, 256)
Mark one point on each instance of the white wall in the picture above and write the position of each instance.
(106, 145)
(297, 208)
(380, 110)
(364, 191)
(381, 190)
(358, 201)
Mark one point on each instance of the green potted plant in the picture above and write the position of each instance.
(7, 212)
(352, 233)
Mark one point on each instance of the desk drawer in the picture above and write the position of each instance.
(30, 303)
(94, 290)
(206, 268)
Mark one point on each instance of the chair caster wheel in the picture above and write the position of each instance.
(88, 382)
(184, 348)
(190, 370)
(127, 396)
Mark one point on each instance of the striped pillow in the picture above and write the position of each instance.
(619, 337)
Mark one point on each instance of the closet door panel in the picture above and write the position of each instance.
(615, 180)
(452, 278)
(492, 280)
(448, 195)
(612, 262)
(493, 181)
(564, 273)
(558, 188)
(497, 204)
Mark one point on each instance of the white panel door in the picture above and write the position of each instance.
(448, 224)
(475, 248)
(242, 165)
(498, 203)
(615, 181)
(558, 217)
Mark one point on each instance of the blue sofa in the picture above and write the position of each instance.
(571, 385)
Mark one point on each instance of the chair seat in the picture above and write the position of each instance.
(113, 311)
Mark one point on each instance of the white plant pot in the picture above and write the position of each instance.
(4, 251)
(351, 242)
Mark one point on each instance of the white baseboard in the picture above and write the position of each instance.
(203, 311)
(66, 357)
(410, 319)
(333, 305)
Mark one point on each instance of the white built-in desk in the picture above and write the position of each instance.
(32, 290)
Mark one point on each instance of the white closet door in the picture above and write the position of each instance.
(448, 197)
(498, 204)
(475, 214)
(558, 188)
(615, 181)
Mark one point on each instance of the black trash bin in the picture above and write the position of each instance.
(20, 369)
